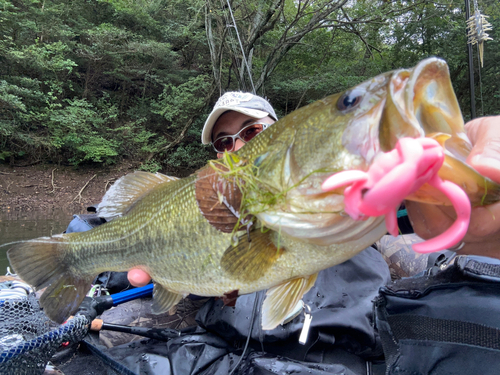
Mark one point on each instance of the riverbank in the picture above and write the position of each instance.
(49, 187)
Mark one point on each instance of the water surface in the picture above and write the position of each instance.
(25, 225)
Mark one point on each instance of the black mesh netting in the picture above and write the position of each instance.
(26, 340)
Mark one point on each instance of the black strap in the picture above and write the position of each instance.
(414, 327)
(482, 269)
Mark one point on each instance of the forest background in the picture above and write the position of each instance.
(103, 82)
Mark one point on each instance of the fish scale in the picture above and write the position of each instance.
(168, 262)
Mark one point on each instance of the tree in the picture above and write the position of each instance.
(268, 30)
(99, 81)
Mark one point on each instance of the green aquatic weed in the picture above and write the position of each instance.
(257, 195)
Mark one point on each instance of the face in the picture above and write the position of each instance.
(231, 122)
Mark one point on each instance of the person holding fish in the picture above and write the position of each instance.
(205, 234)
(482, 238)
(342, 294)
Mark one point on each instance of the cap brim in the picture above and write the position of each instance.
(206, 135)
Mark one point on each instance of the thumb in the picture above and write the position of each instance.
(484, 134)
(138, 277)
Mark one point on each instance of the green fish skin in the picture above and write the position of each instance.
(164, 233)
(180, 231)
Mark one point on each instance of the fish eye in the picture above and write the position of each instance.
(350, 100)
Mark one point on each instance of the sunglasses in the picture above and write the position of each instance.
(227, 142)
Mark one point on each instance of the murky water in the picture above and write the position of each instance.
(25, 225)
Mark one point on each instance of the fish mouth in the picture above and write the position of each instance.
(421, 103)
(434, 101)
(323, 229)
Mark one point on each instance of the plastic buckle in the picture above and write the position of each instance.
(307, 325)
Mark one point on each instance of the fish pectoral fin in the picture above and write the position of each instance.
(163, 299)
(38, 262)
(124, 192)
(218, 198)
(282, 299)
(250, 260)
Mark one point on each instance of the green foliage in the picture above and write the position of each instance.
(177, 103)
(84, 80)
(5, 155)
(98, 81)
(330, 61)
(78, 129)
(187, 153)
(151, 166)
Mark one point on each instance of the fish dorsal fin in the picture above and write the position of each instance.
(127, 190)
(163, 299)
(250, 260)
(282, 299)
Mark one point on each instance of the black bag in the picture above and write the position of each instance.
(447, 323)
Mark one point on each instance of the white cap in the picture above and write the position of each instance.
(242, 102)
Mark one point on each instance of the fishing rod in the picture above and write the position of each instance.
(163, 334)
(471, 69)
(96, 305)
(241, 46)
(93, 306)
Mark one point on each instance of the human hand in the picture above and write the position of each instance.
(138, 277)
(483, 235)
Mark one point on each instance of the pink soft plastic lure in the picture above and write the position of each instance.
(391, 178)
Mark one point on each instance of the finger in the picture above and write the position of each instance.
(485, 223)
(484, 134)
(429, 220)
(138, 277)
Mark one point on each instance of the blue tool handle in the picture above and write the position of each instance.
(402, 213)
(129, 295)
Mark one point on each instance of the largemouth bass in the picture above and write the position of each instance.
(258, 218)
